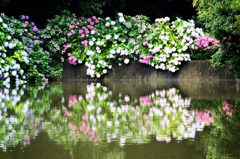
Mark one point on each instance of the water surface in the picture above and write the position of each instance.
(131, 119)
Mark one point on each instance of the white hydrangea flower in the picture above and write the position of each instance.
(93, 32)
(120, 14)
(108, 37)
(104, 71)
(121, 19)
(91, 43)
(1, 20)
(126, 61)
(116, 37)
(5, 25)
(112, 51)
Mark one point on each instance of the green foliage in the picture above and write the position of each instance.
(55, 33)
(222, 18)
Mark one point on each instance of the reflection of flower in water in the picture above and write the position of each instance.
(228, 108)
(100, 117)
(20, 117)
(204, 117)
(72, 100)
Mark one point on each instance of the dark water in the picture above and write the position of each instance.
(117, 120)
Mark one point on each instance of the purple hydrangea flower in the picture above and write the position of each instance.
(39, 32)
(41, 48)
(48, 68)
(34, 37)
(35, 29)
(38, 62)
(27, 17)
(33, 24)
(23, 38)
(30, 34)
(48, 56)
(30, 41)
(23, 17)
(31, 46)
(46, 75)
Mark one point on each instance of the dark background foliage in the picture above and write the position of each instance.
(41, 10)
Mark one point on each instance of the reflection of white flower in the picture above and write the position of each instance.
(104, 89)
(126, 98)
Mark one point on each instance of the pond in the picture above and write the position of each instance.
(121, 120)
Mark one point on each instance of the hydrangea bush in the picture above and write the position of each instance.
(21, 54)
(54, 34)
(101, 43)
(205, 47)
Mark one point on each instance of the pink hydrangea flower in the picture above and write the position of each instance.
(94, 17)
(72, 26)
(80, 31)
(89, 20)
(72, 60)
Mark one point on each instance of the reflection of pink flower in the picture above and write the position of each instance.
(204, 117)
(72, 100)
(85, 117)
(145, 100)
(229, 113)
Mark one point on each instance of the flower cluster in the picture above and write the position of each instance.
(55, 33)
(100, 43)
(205, 47)
(21, 55)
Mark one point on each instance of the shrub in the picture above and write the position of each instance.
(101, 43)
(21, 54)
(222, 18)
